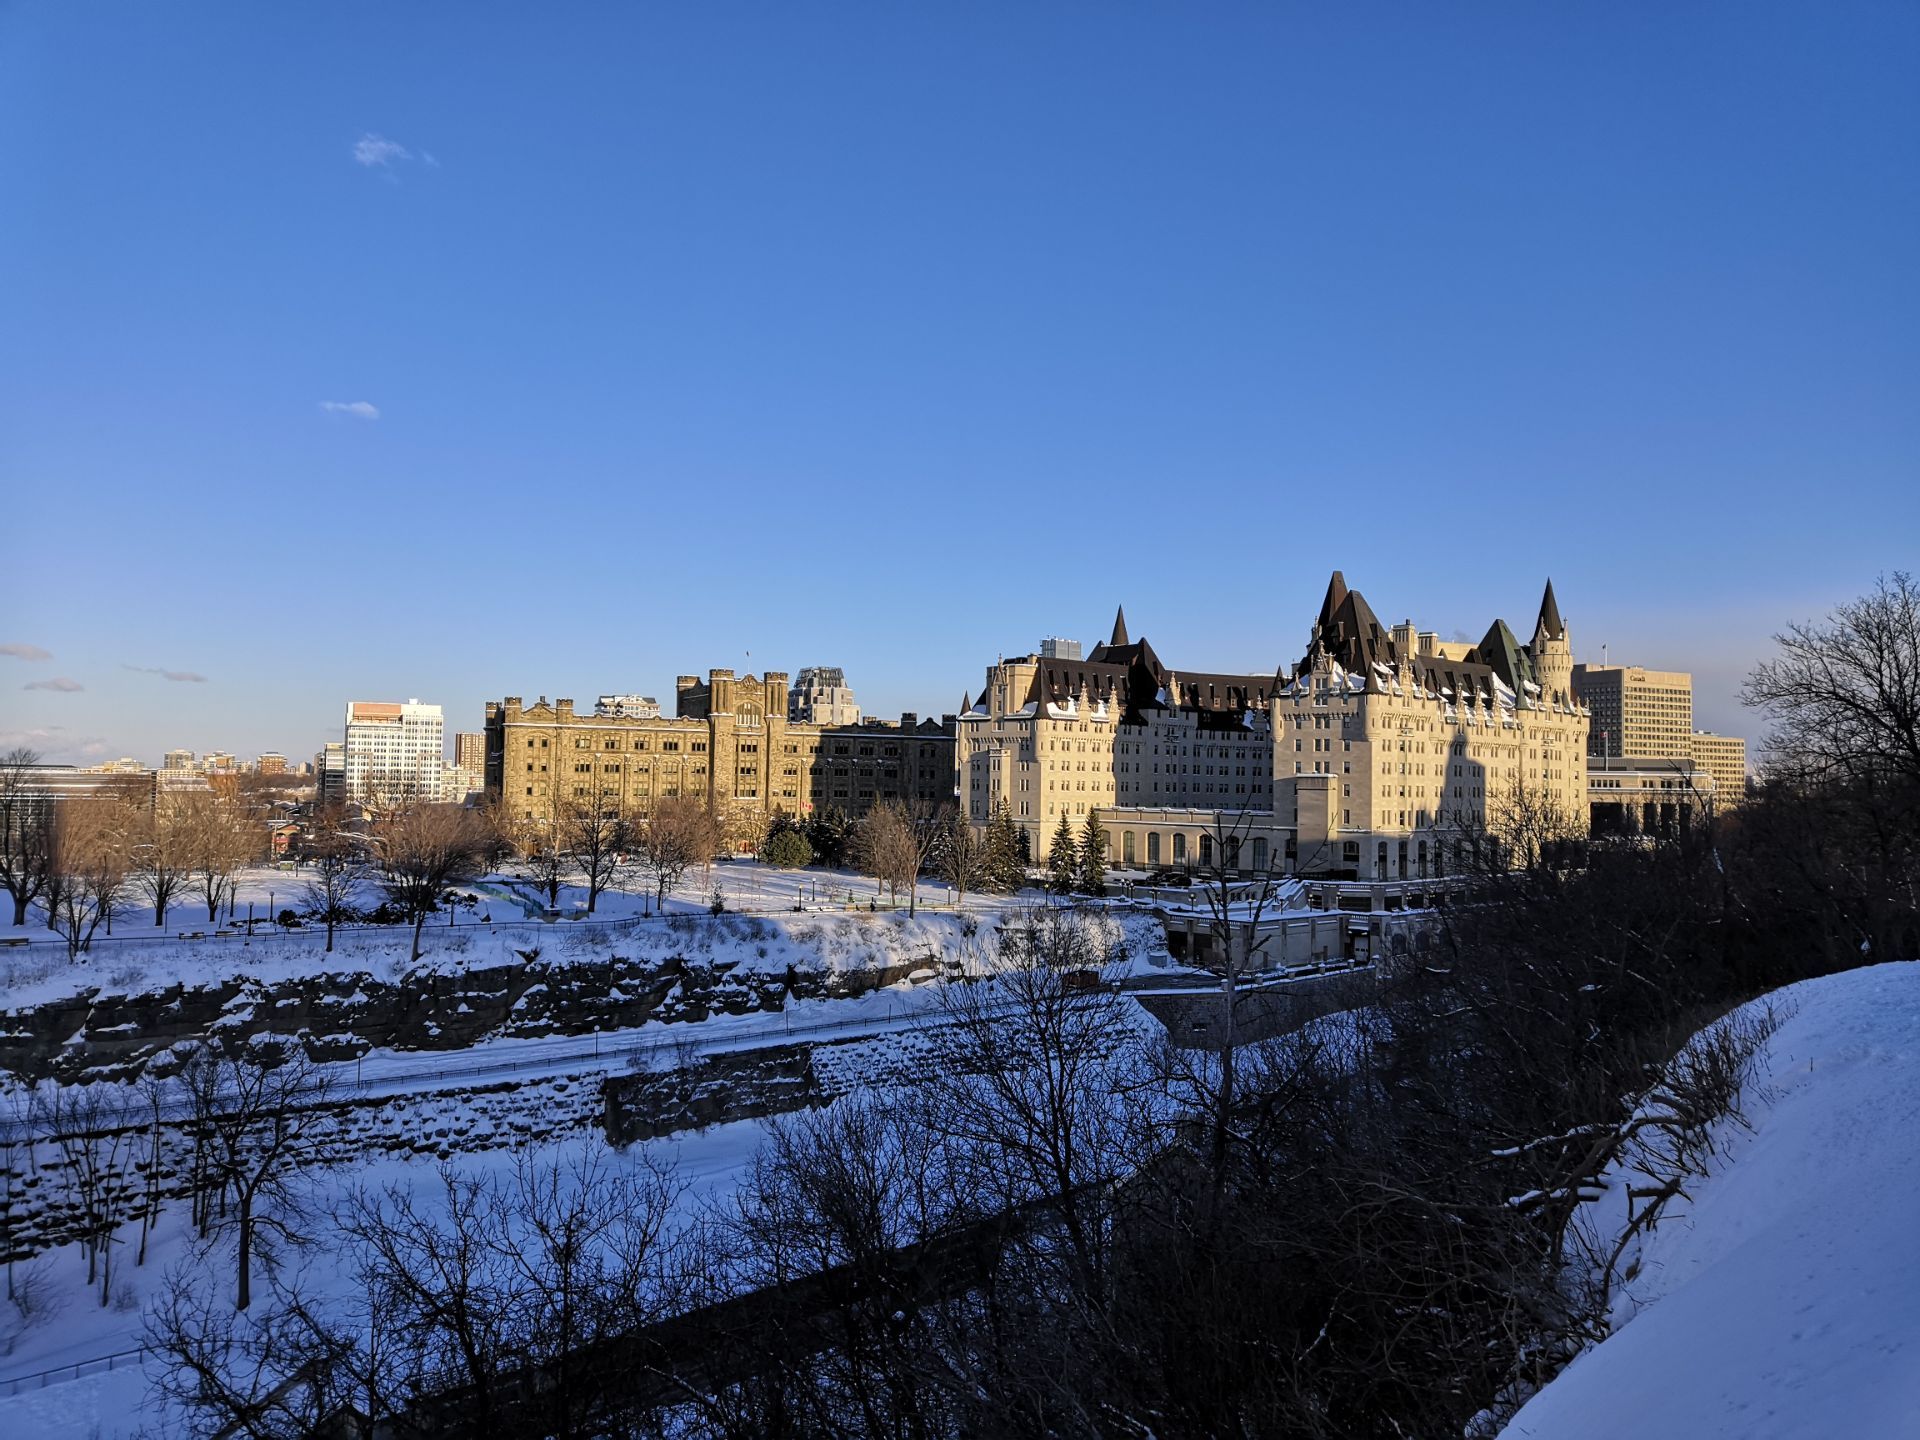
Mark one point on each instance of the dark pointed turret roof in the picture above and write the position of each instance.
(1336, 592)
(1119, 636)
(1507, 658)
(1550, 620)
(1348, 631)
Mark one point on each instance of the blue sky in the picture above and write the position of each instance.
(896, 337)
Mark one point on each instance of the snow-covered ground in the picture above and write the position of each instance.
(1783, 1302)
(54, 1379)
(39, 1399)
(819, 920)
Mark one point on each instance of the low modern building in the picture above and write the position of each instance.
(1646, 796)
(1724, 757)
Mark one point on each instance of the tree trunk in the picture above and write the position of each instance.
(419, 923)
(245, 1296)
(329, 934)
(19, 910)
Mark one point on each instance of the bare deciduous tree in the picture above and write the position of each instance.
(163, 852)
(963, 857)
(336, 863)
(92, 862)
(541, 855)
(86, 1125)
(679, 833)
(887, 847)
(1844, 696)
(220, 842)
(491, 1308)
(419, 852)
(252, 1106)
(26, 831)
(598, 835)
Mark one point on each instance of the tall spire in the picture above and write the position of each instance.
(1550, 615)
(1119, 629)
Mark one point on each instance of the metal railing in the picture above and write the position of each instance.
(61, 1374)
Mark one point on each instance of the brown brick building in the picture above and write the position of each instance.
(729, 742)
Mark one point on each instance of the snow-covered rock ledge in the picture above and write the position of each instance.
(1783, 1302)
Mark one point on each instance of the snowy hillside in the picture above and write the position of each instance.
(1784, 1302)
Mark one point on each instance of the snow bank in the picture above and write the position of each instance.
(1784, 1302)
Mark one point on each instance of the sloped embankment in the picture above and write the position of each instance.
(1778, 1303)
(579, 982)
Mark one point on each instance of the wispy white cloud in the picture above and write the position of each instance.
(61, 683)
(187, 676)
(52, 744)
(376, 151)
(26, 652)
(39, 735)
(358, 409)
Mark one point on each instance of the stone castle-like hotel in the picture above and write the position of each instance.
(1373, 758)
(1370, 758)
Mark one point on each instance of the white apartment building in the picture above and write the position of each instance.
(395, 750)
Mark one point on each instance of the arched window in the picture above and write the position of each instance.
(1126, 847)
(1153, 847)
(1179, 848)
(1206, 849)
(1423, 858)
(1380, 872)
(1260, 853)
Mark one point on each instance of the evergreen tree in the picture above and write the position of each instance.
(828, 832)
(782, 824)
(1006, 865)
(1063, 859)
(788, 850)
(1092, 858)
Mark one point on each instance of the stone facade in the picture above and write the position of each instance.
(1368, 760)
(729, 743)
(1053, 734)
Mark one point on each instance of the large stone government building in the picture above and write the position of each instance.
(1369, 759)
(729, 743)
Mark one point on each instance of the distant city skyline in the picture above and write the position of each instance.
(460, 717)
(521, 353)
